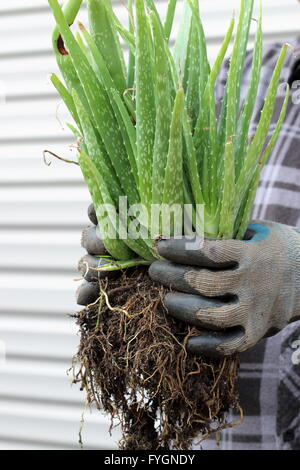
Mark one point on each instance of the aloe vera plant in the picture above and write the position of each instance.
(148, 127)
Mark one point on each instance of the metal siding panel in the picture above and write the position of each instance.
(57, 425)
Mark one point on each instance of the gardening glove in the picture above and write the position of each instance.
(237, 292)
(88, 291)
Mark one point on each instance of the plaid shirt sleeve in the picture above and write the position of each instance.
(269, 381)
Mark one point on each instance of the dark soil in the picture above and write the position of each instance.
(133, 364)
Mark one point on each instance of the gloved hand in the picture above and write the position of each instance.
(237, 292)
(88, 291)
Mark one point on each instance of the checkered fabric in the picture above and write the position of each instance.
(269, 381)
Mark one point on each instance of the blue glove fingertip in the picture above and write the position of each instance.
(261, 232)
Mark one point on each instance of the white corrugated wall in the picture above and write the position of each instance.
(42, 211)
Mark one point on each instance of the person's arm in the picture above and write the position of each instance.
(237, 292)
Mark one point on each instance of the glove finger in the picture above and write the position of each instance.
(194, 280)
(217, 343)
(91, 241)
(87, 293)
(92, 214)
(88, 267)
(208, 253)
(211, 314)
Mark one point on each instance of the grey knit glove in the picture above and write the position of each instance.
(88, 291)
(237, 292)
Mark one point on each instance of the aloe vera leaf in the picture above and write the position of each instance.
(242, 46)
(78, 135)
(82, 45)
(226, 224)
(97, 182)
(227, 213)
(259, 139)
(248, 108)
(128, 132)
(213, 156)
(150, 5)
(271, 144)
(222, 127)
(208, 120)
(63, 58)
(126, 127)
(168, 24)
(200, 75)
(204, 63)
(129, 100)
(230, 105)
(153, 14)
(205, 129)
(204, 167)
(194, 70)
(66, 96)
(131, 58)
(71, 78)
(115, 247)
(126, 35)
(106, 39)
(129, 38)
(163, 111)
(75, 131)
(191, 160)
(220, 57)
(187, 191)
(152, 10)
(203, 119)
(94, 150)
(145, 105)
(102, 113)
(173, 181)
(113, 265)
(216, 164)
(67, 68)
(70, 10)
(232, 85)
(182, 43)
(247, 209)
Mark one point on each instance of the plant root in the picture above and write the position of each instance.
(132, 363)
